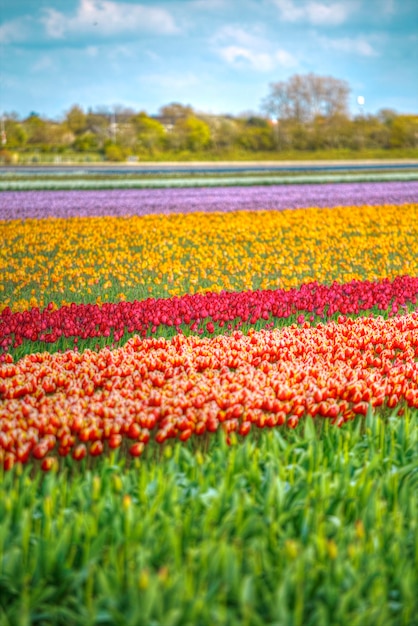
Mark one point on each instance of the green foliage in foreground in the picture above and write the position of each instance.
(316, 526)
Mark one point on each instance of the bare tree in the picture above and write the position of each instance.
(304, 97)
(175, 111)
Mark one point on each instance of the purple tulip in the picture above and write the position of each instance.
(39, 204)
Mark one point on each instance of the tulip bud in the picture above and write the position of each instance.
(143, 581)
(360, 530)
(332, 549)
(291, 549)
(126, 502)
(117, 483)
(96, 487)
(48, 506)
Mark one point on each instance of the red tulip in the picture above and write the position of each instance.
(96, 448)
(115, 441)
(79, 452)
(136, 449)
(49, 463)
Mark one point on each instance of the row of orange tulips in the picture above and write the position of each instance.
(154, 389)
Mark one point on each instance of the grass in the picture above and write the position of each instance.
(306, 527)
(228, 155)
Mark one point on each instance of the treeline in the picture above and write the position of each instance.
(307, 113)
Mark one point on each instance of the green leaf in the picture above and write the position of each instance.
(309, 430)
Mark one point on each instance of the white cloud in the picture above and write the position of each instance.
(239, 36)
(350, 45)
(259, 61)
(54, 23)
(243, 48)
(15, 31)
(322, 14)
(288, 11)
(105, 18)
(285, 59)
(316, 13)
(237, 55)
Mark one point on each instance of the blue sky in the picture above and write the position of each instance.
(217, 55)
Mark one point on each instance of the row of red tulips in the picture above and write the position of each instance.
(75, 403)
(202, 311)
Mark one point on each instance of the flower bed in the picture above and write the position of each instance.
(210, 475)
(77, 203)
(156, 389)
(92, 259)
(202, 313)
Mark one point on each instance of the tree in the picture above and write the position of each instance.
(36, 129)
(256, 133)
(189, 133)
(224, 131)
(76, 120)
(15, 135)
(404, 132)
(386, 116)
(114, 152)
(97, 122)
(175, 111)
(302, 98)
(197, 133)
(87, 142)
(149, 132)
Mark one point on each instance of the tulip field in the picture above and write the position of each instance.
(209, 405)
